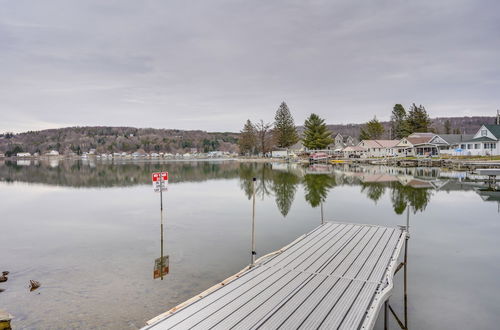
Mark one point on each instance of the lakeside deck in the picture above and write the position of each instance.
(337, 276)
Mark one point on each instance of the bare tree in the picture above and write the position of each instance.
(264, 136)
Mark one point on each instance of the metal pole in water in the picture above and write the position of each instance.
(322, 219)
(253, 224)
(408, 219)
(161, 226)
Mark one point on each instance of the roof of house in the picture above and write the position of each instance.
(422, 134)
(387, 143)
(419, 139)
(482, 139)
(494, 129)
(455, 138)
(380, 143)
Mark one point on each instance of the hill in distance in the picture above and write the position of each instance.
(129, 139)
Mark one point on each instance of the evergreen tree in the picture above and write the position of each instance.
(372, 130)
(399, 123)
(418, 119)
(285, 132)
(447, 127)
(316, 134)
(248, 139)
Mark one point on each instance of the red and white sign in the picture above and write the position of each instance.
(160, 180)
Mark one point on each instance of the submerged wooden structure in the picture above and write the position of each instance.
(338, 276)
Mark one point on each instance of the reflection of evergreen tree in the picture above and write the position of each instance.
(398, 200)
(374, 191)
(284, 188)
(402, 196)
(316, 187)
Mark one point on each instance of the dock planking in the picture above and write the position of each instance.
(338, 276)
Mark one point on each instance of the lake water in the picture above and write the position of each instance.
(90, 233)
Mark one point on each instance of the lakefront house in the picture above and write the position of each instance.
(484, 143)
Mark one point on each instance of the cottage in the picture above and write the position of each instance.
(379, 148)
(484, 143)
(353, 152)
(449, 143)
(340, 142)
(417, 144)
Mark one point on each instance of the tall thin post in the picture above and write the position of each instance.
(322, 218)
(405, 304)
(161, 225)
(253, 224)
(408, 219)
(386, 315)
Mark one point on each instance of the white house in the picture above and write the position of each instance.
(484, 143)
(353, 151)
(379, 148)
(448, 144)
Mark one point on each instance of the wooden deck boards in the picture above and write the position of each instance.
(335, 277)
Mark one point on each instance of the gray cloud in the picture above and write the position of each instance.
(213, 64)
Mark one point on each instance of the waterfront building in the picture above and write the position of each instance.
(417, 144)
(449, 143)
(484, 143)
(379, 148)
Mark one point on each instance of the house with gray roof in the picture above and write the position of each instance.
(484, 143)
(448, 143)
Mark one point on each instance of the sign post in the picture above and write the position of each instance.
(160, 181)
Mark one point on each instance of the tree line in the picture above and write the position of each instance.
(262, 137)
(404, 123)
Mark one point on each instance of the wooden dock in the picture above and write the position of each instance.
(338, 276)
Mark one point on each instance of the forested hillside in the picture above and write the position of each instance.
(129, 139)
(117, 139)
(466, 125)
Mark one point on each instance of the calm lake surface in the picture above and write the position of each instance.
(90, 233)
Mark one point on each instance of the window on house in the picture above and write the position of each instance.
(469, 146)
(462, 146)
(477, 145)
(484, 132)
(490, 145)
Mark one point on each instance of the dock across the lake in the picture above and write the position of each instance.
(338, 276)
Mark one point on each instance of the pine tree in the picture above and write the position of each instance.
(399, 123)
(248, 139)
(285, 132)
(418, 119)
(372, 130)
(316, 134)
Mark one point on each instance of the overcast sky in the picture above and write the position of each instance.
(210, 65)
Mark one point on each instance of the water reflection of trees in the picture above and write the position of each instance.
(316, 187)
(281, 181)
(106, 174)
(404, 196)
(374, 191)
(282, 184)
